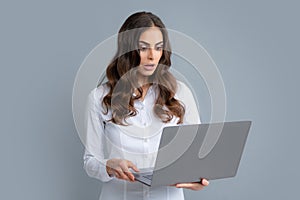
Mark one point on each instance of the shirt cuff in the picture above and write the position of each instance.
(103, 173)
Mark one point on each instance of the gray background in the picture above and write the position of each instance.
(254, 43)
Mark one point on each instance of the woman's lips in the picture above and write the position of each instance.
(149, 67)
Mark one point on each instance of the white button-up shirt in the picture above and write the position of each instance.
(137, 142)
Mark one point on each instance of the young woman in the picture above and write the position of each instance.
(125, 115)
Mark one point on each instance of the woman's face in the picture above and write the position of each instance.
(151, 49)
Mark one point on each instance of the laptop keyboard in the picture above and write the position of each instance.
(149, 176)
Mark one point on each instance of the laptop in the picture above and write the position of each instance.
(188, 153)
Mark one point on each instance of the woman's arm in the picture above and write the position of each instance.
(94, 157)
(193, 186)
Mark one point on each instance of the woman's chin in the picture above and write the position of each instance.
(146, 73)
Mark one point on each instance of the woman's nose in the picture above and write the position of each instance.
(150, 53)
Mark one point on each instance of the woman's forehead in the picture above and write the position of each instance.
(151, 36)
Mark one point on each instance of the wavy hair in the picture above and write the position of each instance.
(122, 79)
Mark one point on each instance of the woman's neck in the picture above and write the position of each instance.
(144, 84)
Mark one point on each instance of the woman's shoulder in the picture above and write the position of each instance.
(95, 99)
(182, 89)
(96, 96)
(180, 84)
(99, 92)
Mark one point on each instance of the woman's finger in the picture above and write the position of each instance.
(184, 185)
(126, 172)
(192, 186)
(129, 175)
(116, 174)
(133, 166)
(204, 182)
(121, 174)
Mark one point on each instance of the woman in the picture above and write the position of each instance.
(125, 116)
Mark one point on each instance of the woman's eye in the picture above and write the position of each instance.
(143, 48)
(159, 48)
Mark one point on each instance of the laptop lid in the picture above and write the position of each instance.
(190, 152)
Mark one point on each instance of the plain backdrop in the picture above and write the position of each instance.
(255, 45)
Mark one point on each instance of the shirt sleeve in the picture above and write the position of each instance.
(94, 156)
(185, 95)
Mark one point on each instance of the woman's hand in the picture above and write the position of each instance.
(193, 186)
(120, 169)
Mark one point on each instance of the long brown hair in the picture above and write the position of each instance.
(121, 73)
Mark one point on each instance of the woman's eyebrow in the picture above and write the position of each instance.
(146, 43)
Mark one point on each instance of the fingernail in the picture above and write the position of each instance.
(206, 182)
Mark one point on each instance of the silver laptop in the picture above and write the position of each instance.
(190, 152)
